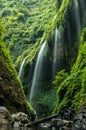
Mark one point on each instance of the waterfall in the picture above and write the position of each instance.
(82, 5)
(22, 67)
(37, 74)
(55, 51)
(77, 16)
(58, 52)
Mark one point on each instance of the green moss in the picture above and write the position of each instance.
(31, 52)
(60, 77)
(5, 57)
(26, 23)
(72, 89)
(48, 101)
(31, 110)
(60, 19)
(11, 84)
(62, 13)
(32, 22)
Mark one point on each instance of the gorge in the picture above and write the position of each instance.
(44, 68)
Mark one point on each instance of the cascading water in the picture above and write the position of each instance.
(55, 51)
(37, 74)
(22, 67)
(82, 3)
(77, 16)
(58, 52)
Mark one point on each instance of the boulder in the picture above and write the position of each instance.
(5, 118)
(20, 119)
(60, 122)
(79, 122)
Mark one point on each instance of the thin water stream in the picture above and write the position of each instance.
(37, 74)
(22, 67)
(58, 52)
(77, 16)
(55, 51)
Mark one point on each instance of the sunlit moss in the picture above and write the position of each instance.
(26, 23)
(72, 89)
(13, 80)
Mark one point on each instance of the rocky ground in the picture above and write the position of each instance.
(79, 122)
(78, 119)
(15, 120)
(67, 120)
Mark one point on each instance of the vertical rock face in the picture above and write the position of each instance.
(11, 93)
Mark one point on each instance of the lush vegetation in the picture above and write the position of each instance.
(72, 89)
(25, 23)
(9, 78)
(28, 23)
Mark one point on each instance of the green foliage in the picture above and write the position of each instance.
(11, 81)
(2, 31)
(62, 13)
(31, 52)
(46, 102)
(5, 13)
(25, 22)
(31, 111)
(72, 89)
(5, 57)
(60, 18)
(83, 36)
(28, 23)
(60, 77)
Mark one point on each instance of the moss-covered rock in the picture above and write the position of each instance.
(72, 90)
(11, 91)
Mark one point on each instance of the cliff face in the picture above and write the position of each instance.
(72, 90)
(11, 94)
(11, 91)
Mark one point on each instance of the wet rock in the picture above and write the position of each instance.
(45, 125)
(65, 128)
(67, 113)
(17, 124)
(5, 118)
(20, 119)
(79, 122)
(60, 123)
(0, 78)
